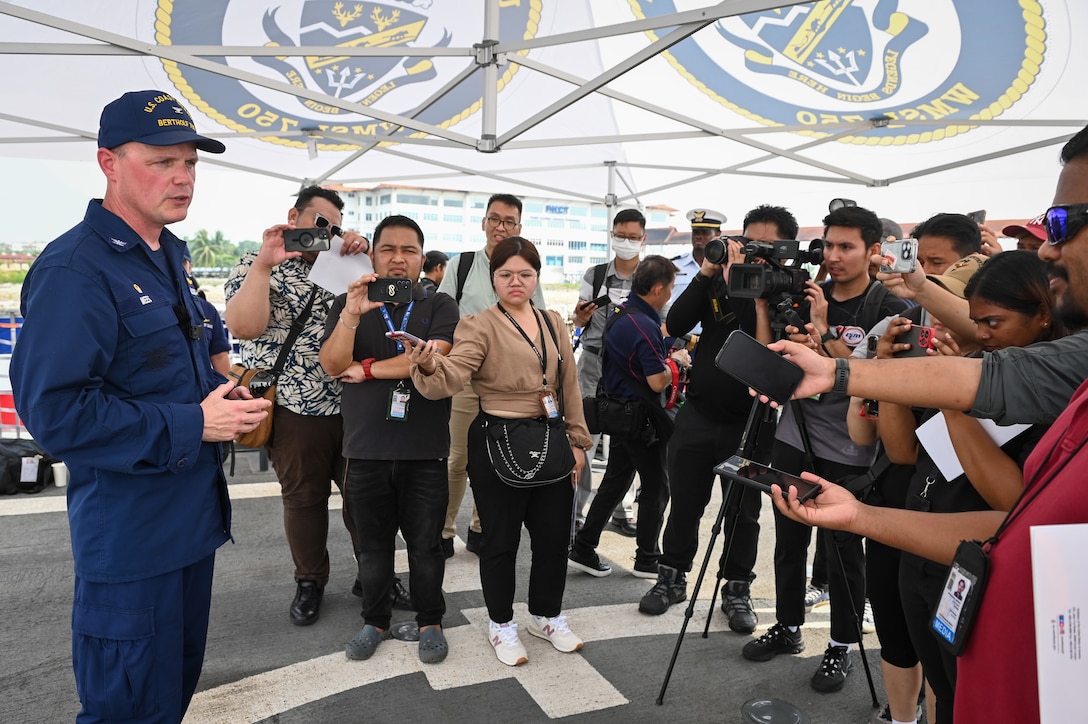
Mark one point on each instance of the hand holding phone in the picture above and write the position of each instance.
(761, 477)
(599, 302)
(919, 338)
(900, 256)
(764, 370)
(405, 338)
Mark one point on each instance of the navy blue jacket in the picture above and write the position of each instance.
(633, 343)
(106, 379)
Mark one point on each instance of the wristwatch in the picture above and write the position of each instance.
(830, 334)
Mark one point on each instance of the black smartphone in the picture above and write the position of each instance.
(306, 240)
(390, 289)
(979, 217)
(920, 339)
(599, 301)
(760, 476)
(766, 372)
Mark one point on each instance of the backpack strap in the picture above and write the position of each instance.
(599, 272)
(464, 266)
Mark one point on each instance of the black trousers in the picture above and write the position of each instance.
(791, 557)
(697, 445)
(383, 496)
(546, 511)
(921, 583)
(624, 459)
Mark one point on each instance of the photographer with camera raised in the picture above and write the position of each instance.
(266, 292)
(396, 441)
(837, 316)
(710, 424)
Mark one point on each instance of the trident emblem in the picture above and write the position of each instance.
(342, 84)
(838, 68)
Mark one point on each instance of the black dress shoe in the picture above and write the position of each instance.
(401, 598)
(307, 604)
(472, 545)
(626, 527)
(447, 547)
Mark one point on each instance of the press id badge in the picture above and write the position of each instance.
(547, 399)
(963, 590)
(398, 404)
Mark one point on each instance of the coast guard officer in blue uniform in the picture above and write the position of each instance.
(111, 374)
(706, 224)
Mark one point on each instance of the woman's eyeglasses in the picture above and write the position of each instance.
(321, 222)
(508, 276)
(1064, 222)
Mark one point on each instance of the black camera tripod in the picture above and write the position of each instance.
(785, 314)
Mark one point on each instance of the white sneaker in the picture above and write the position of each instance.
(508, 647)
(557, 631)
(868, 623)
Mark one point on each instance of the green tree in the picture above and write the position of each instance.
(210, 250)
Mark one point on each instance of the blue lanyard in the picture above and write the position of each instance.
(403, 323)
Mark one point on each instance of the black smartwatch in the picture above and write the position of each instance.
(830, 334)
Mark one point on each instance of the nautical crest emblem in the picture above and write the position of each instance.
(394, 83)
(352, 25)
(849, 61)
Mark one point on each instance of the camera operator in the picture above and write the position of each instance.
(266, 292)
(838, 314)
(709, 428)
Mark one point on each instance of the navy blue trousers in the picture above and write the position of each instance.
(138, 647)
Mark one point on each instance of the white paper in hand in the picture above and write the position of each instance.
(334, 273)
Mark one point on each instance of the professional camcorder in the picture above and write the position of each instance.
(782, 272)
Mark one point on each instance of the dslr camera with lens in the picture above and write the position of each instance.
(781, 273)
(306, 240)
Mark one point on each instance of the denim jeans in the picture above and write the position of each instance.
(382, 496)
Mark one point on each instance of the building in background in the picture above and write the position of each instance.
(571, 235)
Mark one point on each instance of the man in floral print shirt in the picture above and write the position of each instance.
(266, 292)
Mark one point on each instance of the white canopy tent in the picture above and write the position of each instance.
(623, 101)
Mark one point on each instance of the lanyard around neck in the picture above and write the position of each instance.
(403, 322)
(542, 358)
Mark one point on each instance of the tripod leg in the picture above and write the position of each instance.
(853, 616)
(689, 611)
(731, 503)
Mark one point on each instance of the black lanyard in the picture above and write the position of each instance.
(1017, 509)
(542, 358)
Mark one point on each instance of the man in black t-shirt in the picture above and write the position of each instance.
(396, 441)
(838, 315)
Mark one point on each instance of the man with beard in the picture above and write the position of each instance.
(1016, 385)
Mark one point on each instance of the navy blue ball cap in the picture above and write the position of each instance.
(151, 117)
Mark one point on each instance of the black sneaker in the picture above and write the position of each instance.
(831, 676)
(644, 569)
(777, 640)
(589, 562)
(737, 606)
(671, 587)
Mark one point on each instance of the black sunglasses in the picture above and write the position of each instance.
(1064, 222)
(321, 222)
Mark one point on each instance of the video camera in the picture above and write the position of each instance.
(775, 276)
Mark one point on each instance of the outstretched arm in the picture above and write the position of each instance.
(934, 536)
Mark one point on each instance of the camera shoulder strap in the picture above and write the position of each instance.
(292, 335)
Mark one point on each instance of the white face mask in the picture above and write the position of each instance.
(626, 249)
